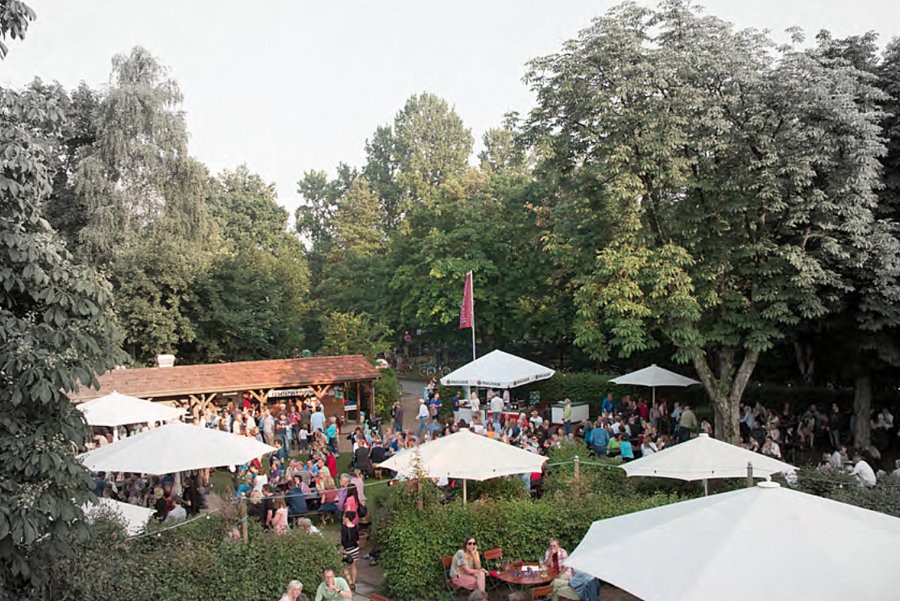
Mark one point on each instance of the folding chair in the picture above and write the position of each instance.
(541, 592)
(446, 562)
(492, 561)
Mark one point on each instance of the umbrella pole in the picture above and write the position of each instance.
(705, 487)
(464, 492)
(653, 388)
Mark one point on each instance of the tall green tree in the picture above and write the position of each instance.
(381, 169)
(725, 182)
(432, 146)
(252, 301)
(144, 196)
(15, 17)
(57, 331)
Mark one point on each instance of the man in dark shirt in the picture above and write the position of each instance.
(295, 500)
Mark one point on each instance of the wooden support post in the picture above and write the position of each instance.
(577, 465)
(359, 403)
(244, 533)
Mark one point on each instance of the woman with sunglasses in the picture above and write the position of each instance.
(466, 571)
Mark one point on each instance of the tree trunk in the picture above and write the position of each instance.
(862, 408)
(806, 361)
(726, 390)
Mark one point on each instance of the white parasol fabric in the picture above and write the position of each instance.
(116, 409)
(654, 376)
(765, 541)
(467, 456)
(704, 458)
(135, 517)
(497, 370)
(175, 447)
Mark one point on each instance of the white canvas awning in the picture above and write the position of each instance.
(135, 517)
(174, 448)
(497, 370)
(761, 542)
(705, 458)
(116, 409)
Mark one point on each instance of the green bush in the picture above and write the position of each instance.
(387, 390)
(195, 561)
(884, 497)
(414, 542)
(580, 387)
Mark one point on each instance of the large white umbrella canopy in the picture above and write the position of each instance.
(116, 409)
(761, 542)
(654, 376)
(497, 370)
(705, 458)
(465, 455)
(135, 517)
(173, 448)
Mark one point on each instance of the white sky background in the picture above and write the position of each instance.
(288, 86)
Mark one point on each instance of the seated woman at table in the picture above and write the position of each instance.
(466, 571)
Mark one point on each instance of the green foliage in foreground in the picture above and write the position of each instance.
(195, 561)
(414, 541)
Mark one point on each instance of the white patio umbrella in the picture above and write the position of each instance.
(704, 458)
(654, 376)
(175, 447)
(497, 370)
(135, 517)
(116, 409)
(762, 542)
(466, 456)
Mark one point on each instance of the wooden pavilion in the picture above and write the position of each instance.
(325, 378)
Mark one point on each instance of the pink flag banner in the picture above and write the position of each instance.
(467, 310)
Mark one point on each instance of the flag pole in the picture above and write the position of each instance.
(473, 315)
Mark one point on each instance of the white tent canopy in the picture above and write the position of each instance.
(762, 542)
(116, 409)
(654, 376)
(175, 447)
(705, 458)
(497, 370)
(135, 517)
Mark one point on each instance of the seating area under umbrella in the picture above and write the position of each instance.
(654, 376)
(705, 458)
(466, 456)
(175, 447)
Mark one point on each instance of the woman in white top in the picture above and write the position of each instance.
(648, 447)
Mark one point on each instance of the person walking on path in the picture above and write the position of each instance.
(422, 416)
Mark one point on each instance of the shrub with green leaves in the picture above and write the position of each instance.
(196, 561)
(414, 541)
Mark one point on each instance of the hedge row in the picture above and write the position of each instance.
(196, 561)
(413, 541)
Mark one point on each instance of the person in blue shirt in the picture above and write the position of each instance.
(599, 440)
(295, 499)
(625, 450)
(609, 405)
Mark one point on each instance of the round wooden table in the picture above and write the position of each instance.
(519, 574)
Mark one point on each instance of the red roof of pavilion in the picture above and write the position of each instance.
(181, 380)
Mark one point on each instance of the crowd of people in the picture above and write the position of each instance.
(301, 479)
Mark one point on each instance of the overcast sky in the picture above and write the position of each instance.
(288, 86)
